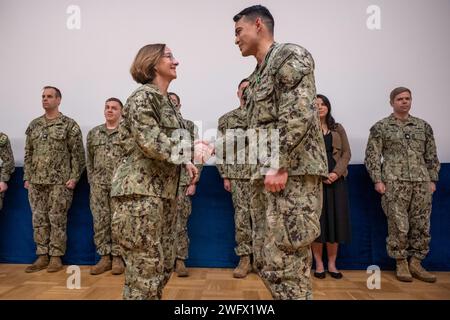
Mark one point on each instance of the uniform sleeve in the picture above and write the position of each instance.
(373, 154)
(28, 155)
(149, 136)
(220, 149)
(342, 163)
(295, 106)
(7, 158)
(89, 156)
(195, 137)
(76, 150)
(430, 156)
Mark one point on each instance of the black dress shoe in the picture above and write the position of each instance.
(320, 275)
(335, 275)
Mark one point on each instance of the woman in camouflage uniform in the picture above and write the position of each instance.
(145, 182)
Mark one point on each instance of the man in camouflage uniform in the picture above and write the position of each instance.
(6, 165)
(236, 179)
(54, 162)
(186, 190)
(287, 187)
(402, 162)
(103, 154)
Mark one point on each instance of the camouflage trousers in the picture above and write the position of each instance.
(407, 206)
(184, 208)
(240, 191)
(292, 223)
(49, 205)
(102, 211)
(144, 229)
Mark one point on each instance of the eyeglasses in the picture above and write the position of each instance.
(169, 55)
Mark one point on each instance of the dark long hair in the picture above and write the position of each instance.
(331, 123)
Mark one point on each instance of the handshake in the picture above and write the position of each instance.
(203, 151)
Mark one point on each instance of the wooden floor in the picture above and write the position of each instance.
(211, 284)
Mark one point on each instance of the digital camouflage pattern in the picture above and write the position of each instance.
(6, 162)
(407, 206)
(150, 166)
(49, 204)
(232, 136)
(292, 224)
(184, 203)
(144, 190)
(137, 227)
(54, 151)
(193, 131)
(102, 211)
(240, 191)
(144, 229)
(402, 155)
(404, 151)
(54, 154)
(232, 128)
(104, 152)
(281, 96)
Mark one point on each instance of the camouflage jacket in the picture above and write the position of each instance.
(6, 158)
(232, 137)
(403, 151)
(281, 97)
(54, 151)
(184, 176)
(151, 162)
(103, 153)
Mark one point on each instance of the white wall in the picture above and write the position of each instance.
(355, 67)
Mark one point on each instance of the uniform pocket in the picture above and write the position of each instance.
(302, 228)
(294, 223)
(264, 100)
(417, 142)
(58, 139)
(137, 223)
(99, 152)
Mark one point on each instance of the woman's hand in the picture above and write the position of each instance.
(332, 177)
(203, 150)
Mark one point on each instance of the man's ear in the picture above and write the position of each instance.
(258, 23)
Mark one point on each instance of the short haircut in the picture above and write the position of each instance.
(397, 91)
(175, 95)
(58, 92)
(257, 11)
(242, 81)
(115, 100)
(143, 68)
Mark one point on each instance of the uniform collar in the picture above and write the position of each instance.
(105, 130)
(260, 68)
(408, 121)
(57, 120)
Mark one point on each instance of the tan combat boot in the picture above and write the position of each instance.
(243, 268)
(103, 265)
(180, 268)
(419, 272)
(40, 263)
(402, 271)
(55, 264)
(118, 267)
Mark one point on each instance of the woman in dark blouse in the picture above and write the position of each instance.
(335, 220)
